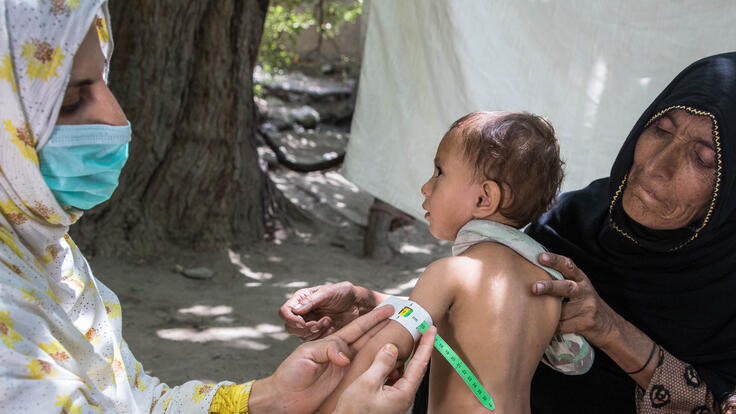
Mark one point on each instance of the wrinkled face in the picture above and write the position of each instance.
(450, 193)
(671, 180)
(87, 99)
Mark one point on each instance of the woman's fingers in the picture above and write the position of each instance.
(418, 364)
(382, 366)
(583, 311)
(296, 326)
(357, 328)
(371, 394)
(397, 373)
(562, 264)
(360, 342)
(298, 304)
(312, 298)
(337, 352)
(310, 330)
(576, 316)
(292, 312)
(571, 310)
(296, 315)
(319, 326)
(567, 288)
(589, 316)
(312, 336)
(561, 288)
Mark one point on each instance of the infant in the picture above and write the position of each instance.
(494, 172)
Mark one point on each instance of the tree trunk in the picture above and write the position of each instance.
(182, 71)
(382, 219)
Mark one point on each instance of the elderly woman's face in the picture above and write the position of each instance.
(671, 180)
(87, 99)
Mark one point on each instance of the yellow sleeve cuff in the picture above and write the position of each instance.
(231, 399)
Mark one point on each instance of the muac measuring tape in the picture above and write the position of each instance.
(414, 318)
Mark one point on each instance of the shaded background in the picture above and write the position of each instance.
(590, 67)
(211, 180)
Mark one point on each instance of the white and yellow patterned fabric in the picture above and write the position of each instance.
(61, 348)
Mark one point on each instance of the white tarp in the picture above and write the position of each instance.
(591, 67)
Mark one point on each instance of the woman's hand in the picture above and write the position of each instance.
(316, 312)
(314, 369)
(370, 394)
(585, 313)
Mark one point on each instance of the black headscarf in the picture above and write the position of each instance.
(677, 286)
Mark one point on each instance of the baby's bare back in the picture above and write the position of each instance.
(498, 328)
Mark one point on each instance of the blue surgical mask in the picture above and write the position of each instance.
(81, 164)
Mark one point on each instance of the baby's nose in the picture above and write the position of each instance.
(425, 190)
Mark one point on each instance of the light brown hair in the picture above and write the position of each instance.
(520, 152)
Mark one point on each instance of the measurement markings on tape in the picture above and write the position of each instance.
(461, 368)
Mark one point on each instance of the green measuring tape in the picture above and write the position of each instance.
(461, 368)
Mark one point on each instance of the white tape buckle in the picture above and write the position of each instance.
(409, 314)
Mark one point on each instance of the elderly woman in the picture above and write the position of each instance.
(648, 255)
(63, 143)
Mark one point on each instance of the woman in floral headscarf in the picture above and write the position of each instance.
(63, 142)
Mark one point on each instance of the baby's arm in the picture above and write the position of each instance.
(434, 292)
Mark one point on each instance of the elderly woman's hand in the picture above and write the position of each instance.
(318, 311)
(583, 311)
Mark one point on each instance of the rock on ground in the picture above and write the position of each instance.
(308, 150)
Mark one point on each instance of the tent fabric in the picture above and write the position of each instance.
(590, 67)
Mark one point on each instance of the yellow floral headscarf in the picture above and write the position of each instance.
(38, 40)
(61, 344)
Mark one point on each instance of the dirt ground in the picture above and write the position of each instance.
(227, 327)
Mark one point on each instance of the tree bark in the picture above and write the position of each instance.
(182, 71)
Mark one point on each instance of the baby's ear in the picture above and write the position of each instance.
(488, 199)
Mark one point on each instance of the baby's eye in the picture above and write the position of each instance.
(437, 171)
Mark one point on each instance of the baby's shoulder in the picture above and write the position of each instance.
(448, 270)
(493, 253)
(501, 261)
(460, 263)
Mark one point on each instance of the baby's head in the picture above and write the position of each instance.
(500, 166)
